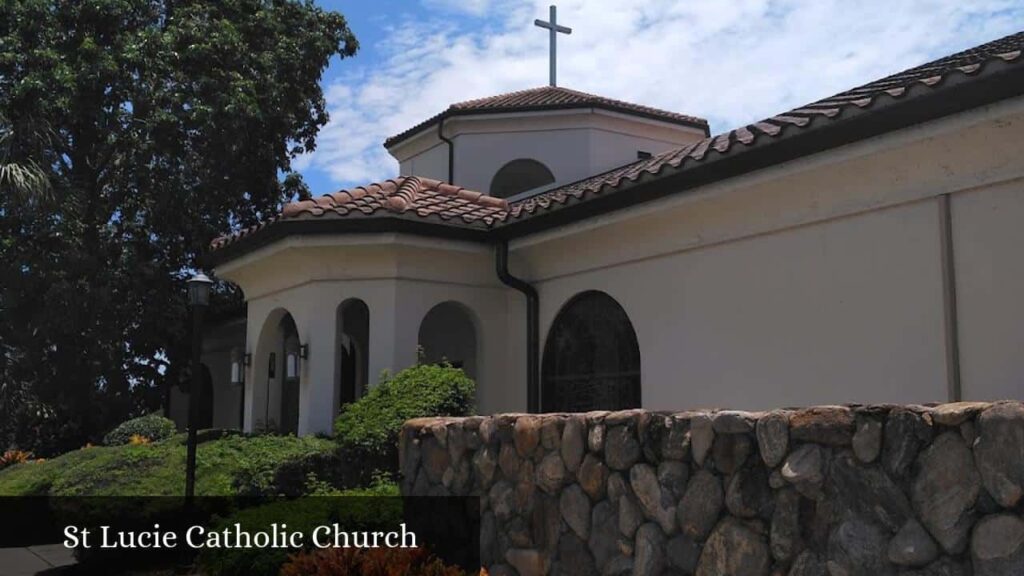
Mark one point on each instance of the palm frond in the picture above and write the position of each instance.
(23, 179)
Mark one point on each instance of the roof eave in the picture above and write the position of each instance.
(957, 94)
(396, 223)
(429, 124)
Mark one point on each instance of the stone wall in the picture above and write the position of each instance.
(824, 491)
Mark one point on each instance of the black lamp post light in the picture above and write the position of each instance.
(198, 298)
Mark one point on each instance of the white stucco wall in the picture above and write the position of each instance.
(430, 163)
(573, 144)
(399, 279)
(817, 281)
(988, 232)
(609, 149)
(836, 312)
(480, 156)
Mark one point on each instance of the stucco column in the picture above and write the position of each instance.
(382, 330)
(255, 317)
(409, 311)
(316, 389)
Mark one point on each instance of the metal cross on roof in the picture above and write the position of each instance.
(553, 30)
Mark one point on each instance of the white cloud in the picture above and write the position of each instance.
(474, 7)
(730, 62)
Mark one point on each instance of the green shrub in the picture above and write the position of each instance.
(257, 460)
(158, 468)
(375, 507)
(372, 423)
(339, 469)
(152, 426)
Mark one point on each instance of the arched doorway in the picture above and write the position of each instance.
(353, 340)
(276, 371)
(290, 376)
(448, 334)
(591, 358)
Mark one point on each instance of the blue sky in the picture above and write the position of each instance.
(732, 62)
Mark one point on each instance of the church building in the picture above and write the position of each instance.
(573, 252)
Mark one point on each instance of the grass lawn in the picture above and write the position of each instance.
(157, 469)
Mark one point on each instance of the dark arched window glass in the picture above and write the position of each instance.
(353, 341)
(519, 176)
(289, 375)
(448, 334)
(591, 358)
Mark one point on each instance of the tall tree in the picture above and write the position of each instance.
(155, 125)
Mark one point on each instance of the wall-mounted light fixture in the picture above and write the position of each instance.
(239, 362)
(294, 352)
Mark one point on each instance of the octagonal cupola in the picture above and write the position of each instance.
(522, 142)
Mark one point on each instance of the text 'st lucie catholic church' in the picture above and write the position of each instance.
(572, 252)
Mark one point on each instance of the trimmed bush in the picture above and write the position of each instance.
(372, 423)
(151, 427)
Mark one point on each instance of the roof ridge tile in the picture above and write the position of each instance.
(402, 198)
(547, 98)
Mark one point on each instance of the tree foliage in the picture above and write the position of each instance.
(22, 178)
(136, 131)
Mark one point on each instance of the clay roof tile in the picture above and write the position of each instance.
(431, 200)
(547, 98)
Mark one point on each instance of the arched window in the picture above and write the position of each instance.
(290, 370)
(519, 176)
(591, 358)
(447, 334)
(353, 351)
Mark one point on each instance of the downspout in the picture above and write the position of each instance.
(950, 312)
(451, 151)
(532, 326)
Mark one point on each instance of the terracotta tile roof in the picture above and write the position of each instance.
(403, 197)
(906, 85)
(446, 206)
(548, 98)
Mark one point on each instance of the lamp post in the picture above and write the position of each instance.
(199, 299)
(239, 362)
